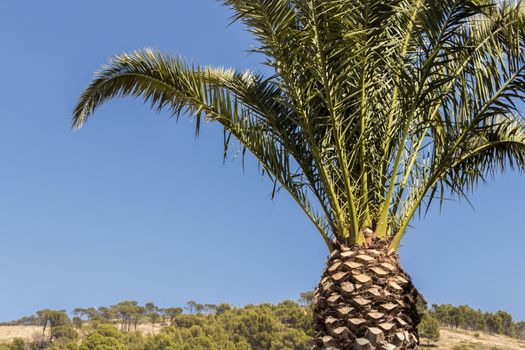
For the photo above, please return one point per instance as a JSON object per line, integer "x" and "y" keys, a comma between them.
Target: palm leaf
{"x": 375, "y": 108}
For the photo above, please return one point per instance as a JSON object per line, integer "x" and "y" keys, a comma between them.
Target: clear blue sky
{"x": 132, "y": 207}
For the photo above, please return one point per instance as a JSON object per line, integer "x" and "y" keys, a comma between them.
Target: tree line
{"x": 465, "y": 317}
{"x": 126, "y": 315}
{"x": 285, "y": 326}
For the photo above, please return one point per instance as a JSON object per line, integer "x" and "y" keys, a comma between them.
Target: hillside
{"x": 451, "y": 339}
{"x": 458, "y": 339}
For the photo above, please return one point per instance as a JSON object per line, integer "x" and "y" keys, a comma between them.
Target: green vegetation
{"x": 468, "y": 318}
{"x": 285, "y": 326}
{"x": 429, "y": 328}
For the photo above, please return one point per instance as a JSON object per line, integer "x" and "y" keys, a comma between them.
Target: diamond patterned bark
{"x": 365, "y": 301}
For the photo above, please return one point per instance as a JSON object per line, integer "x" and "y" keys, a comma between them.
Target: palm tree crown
{"x": 376, "y": 107}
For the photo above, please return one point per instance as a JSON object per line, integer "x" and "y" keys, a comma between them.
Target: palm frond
{"x": 242, "y": 103}
{"x": 375, "y": 108}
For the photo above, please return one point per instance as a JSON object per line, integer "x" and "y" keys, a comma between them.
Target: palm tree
{"x": 375, "y": 109}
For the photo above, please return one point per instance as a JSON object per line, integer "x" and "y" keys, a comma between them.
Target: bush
{"x": 97, "y": 341}
{"x": 19, "y": 344}
{"x": 429, "y": 328}
{"x": 64, "y": 334}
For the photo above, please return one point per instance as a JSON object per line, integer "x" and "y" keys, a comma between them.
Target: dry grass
{"x": 32, "y": 333}
{"x": 458, "y": 339}
{"x": 451, "y": 339}
{"x": 29, "y": 333}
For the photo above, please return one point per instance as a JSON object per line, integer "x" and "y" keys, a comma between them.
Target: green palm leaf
{"x": 375, "y": 107}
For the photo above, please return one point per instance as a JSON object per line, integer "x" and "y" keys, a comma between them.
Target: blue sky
{"x": 133, "y": 207}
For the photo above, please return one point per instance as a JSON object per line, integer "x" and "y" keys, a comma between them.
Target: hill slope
{"x": 459, "y": 339}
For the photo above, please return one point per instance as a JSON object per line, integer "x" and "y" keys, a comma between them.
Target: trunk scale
{"x": 365, "y": 301}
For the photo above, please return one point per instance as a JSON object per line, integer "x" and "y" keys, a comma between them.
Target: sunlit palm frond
{"x": 246, "y": 106}
{"x": 375, "y": 108}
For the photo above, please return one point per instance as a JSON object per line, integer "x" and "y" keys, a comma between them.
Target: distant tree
{"x": 493, "y": 323}
{"x": 199, "y": 308}
{"x": 257, "y": 324}
{"x": 292, "y": 315}
{"x": 135, "y": 341}
{"x": 305, "y": 298}
{"x": 506, "y": 323}
{"x": 154, "y": 318}
{"x": 457, "y": 318}
{"x": 478, "y": 322}
{"x": 223, "y": 307}
{"x": 466, "y": 317}
{"x": 52, "y": 318}
{"x": 87, "y": 314}
{"x": 108, "y": 330}
{"x": 43, "y": 317}
{"x": 429, "y": 328}
{"x": 188, "y": 321}
{"x": 24, "y": 321}
{"x": 106, "y": 313}
{"x": 162, "y": 315}
{"x": 172, "y": 312}
{"x": 152, "y": 312}
{"x": 443, "y": 314}
{"x": 150, "y": 307}
{"x": 292, "y": 339}
{"x": 98, "y": 342}
{"x": 63, "y": 335}
{"x": 129, "y": 314}
{"x": 80, "y": 312}
{"x": 210, "y": 308}
{"x": 104, "y": 337}
{"x": 519, "y": 330}
{"x": 77, "y": 322}
{"x": 191, "y": 306}
{"x": 471, "y": 319}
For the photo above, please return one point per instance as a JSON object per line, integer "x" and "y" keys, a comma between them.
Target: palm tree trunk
{"x": 365, "y": 301}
